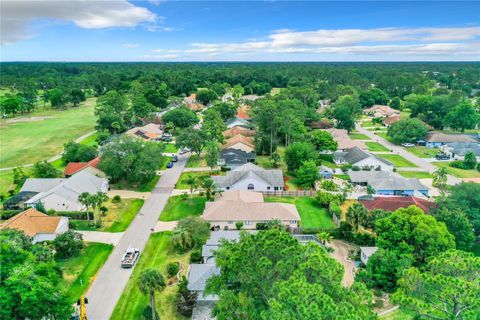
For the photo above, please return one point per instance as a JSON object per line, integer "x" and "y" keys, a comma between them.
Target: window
{"x": 248, "y": 222}
{"x": 276, "y": 188}
{"x": 293, "y": 221}
{"x": 228, "y": 188}
{"x": 268, "y": 188}
{"x": 230, "y": 222}
{"x": 251, "y": 186}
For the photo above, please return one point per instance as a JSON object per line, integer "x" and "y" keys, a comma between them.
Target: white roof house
{"x": 366, "y": 253}
{"x": 251, "y": 177}
{"x": 62, "y": 194}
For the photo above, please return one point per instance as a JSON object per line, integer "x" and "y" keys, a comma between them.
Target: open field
{"x": 459, "y": 173}
{"x": 117, "y": 218}
{"x": 28, "y": 142}
{"x": 397, "y": 160}
{"x": 376, "y": 147}
{"x": 311, "y": 214}
{"x": 78, "y": 272}
{"x": 415, "y": 174}
{"x": 423, "y": 152}
{"x": 157, "y": 254}
{"x": 178, "y": 208}
{"x": 359, "y": 136}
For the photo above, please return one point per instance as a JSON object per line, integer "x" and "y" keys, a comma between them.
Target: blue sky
{"x": 157, "y": 30}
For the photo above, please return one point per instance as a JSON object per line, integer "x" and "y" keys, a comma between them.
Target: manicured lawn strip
{"x": 359, "y": 136}
{"x": 91, "y": 140}
{"x": 311, "y": 214}
{"x": 195, "y": 162}
{"x": 59, "y": 164}
{"x": 327, "y": 160}
{"x": 144, "y": 187}
{"x": 181, "y": 181}
{"x": 157, "y": 254}
{"x": 370, "y": 123}
{"x": 423, "y": 152}
{"x": 384, "y": 136}
{"x": 342, "y": 176}
{"x": 178, "y": 208}
{"x": 459, "y": 173}
{"x": 397, "y": 160}
{"x": 375, "y": 146}
{"x": 124, "y": 213}
{"x": 29, "y": 142}
{"x": 78, "y": 272}
{"x": 6, "y": 181}
{"x": 415, "y": 174}
{"x": 170, "y": 148}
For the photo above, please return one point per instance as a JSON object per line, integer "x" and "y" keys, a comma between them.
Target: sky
{"x": 159, "y": 30}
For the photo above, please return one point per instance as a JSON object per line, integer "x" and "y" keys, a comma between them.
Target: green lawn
{"x": 170, "y": 148}
{"x": 144, "y": 187}
{"x": 397, "y": 160}
{"x": 166, "y": 160}
{"x": 311, "y": 214}
{"x": 375, "y": 146}
{"x": 117, "y": 219}
{"x": 195, "y": 162}
{"x": 398, "y": 314}
{"x": 178, "y": 208}
{"x": 291, "y": 182}
{"x": 181, "y": 181}
{"x": 91, "y": 140}
{"x": 459, "y": 173}
{"x": 384, "y": 136}
{"x": 78, "y": 272}
{"x": 415, "y": 174}
{"x": 157, "y": 254}
{"x": 359, "y": 136}
{"x": 59, "y": 164}
{"x": 6, "y": 181}
{"x": 370, "y": 123}
{"x": 327, "y": 160}
{"x": 29, "y": 142}
{"x": 423, "y": 152}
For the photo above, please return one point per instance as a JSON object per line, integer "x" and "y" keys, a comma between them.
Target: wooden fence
{"x": 297, "y": 193}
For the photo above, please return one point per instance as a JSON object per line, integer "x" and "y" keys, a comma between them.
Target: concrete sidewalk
{"x": 102, "y": 237}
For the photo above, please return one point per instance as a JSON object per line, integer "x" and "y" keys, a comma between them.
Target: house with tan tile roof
{"x": 238, "y": 130}
{"x": 381, "y": 111}
{"x": 388, "y": 121}
{"x": 250, "y": 208}
{"x": 37, "y": 225}
{"x": 151, "y": 131}
{"x": 240, "y": 142}
{"x": 344, "y": 141}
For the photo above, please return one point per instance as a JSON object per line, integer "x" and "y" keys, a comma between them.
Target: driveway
{"x": 424, "y": 165}
{"x": 340, "y": 253}
{"x": 112, "y": 279}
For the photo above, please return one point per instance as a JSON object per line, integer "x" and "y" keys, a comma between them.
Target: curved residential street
{"x": 421, "y": 163}
{"x": 112, "y": 278}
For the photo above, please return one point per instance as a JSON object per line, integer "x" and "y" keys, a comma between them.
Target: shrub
{"x": 457, "y": 164}
{"x": 76, "y": 215}
{"x": 334, "y": 209}
{"x": 184, "y": 196}
{"x": 116, "y": 199}
{"x": 103, "y": 210}
{"x": 173, "y": 268}
{"x": 324, "y": 198}
{"x": 51, "y": 212}
{"x": 196, "y": 256}
{"x": 364, "y": 239}
{"x": 346, "y": 167}
{"x": 186, "y": 299}
{"x": 239, "y": 225}
{"x": 7, "y": 214}
{"x": 329, "y": 185}
{"x": 355, "y": 168}
{"x": 68, "y": 244}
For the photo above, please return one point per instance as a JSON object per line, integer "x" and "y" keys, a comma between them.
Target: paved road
{"x": 424, "y": 165}
{"x": 112, "y": 279}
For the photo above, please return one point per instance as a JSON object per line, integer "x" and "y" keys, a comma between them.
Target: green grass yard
{"x": 178, "y": 208}
{"x": 311, "y": 214}
{"x": 384, "y": 136}
{"x": 423, "y": 152}
{"x": 28, "y": 142}
{"x": 195, "y": 162}
{"x": 397, "y": 160}
{"x": 157, "y": 254}
{"x": 170, "y": 148}
{"x": 459, "y": 173}
{"x": 91, "y": 140}
{"x": 181, "y": 181}
{"x": 359, "y": 136}
{"x": 6, "y": 181}
{"x": 144, "y": 187}
{"x": 79, "y": 272}
{"x": 327, "y": 160}
{"x": 415, "y": 174}
{"x": 376, "y": 147}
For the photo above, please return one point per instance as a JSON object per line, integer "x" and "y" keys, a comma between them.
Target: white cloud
{"x": 88, "y": 14}
{"x": 130, "y": 45}
{"x": 383, "y": 42}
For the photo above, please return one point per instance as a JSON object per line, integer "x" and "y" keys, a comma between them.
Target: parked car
{"x": 170, "y": 165}
{"x": 442, "y": 156}
{"x": 408, "y": 145}
{"x": 183, "y": 151}
{"x": 174, "y": 158}
{"x": 130, "y": 257}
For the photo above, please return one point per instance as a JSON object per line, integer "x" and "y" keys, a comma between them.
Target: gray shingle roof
{"x": 462, "y": 148}
{"x": 386, "y": 180}
{"x": 356, "y": 154}
{"x": 272, "y": 177}
{"x": 199, "y": 274}
{"x": 236, "y": 156}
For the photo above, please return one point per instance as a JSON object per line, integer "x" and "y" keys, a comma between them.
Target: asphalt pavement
{"x": 108, "y": 286}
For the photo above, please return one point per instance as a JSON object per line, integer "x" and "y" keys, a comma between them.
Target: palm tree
{"x": 192, "y": 181}
{"x": 440, "y": 178}
{"x": 151, "y": 280}
{"x": 182, "y": 239}
{"x": 356, "y": 215}
{"x": 208, "y": 186}
{"x": 324, "y": 237}
{"x": 85, "y": 199}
